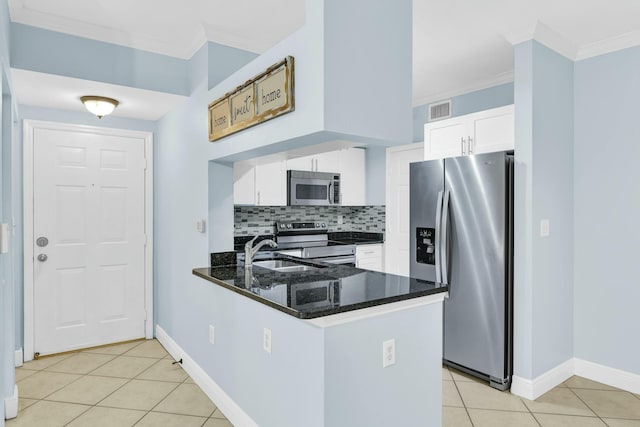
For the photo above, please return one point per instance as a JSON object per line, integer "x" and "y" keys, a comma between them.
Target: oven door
{"x": 309, "y": 191}
{"x": 348, "y": 260}
{"x": 315, "y": 294}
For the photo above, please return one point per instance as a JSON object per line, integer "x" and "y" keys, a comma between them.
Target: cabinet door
{"x": 327, "y": 162}
{"x": 493, "y": 130}
{"x": 444, "y": 138}
{"x": 369, "y": 257}
{"x": 306, "y": 163}
{"x": 244, "y": 183}
{"x": 352, "y": 177}
{"x": 271, "y": 184}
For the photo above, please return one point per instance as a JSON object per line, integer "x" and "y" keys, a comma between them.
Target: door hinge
{"x": 145, "y": 163}
{"x": 145, "y": 240}
{"x": 145, "y": 315}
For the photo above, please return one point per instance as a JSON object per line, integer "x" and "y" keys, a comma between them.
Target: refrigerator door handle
{"x": 444, "y": 240}
{"x": 437, "y": 239}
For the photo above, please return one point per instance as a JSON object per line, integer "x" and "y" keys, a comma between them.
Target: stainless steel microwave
{"x": 312, "y": 188}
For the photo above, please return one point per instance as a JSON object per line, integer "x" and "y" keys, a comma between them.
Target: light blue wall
{"x": 375, "y": 175}
{"x": 543, "y": 285}
{"x": 359, "y": 392}
{"x": 7, "y": 281}
{"x": 193, "y": 181}
{"x": 221, "y": 59}
{"x": 607, "y": 208}
{"x": 472, "y": 102}
{"x": 360, "y": 56}
{"x": 46, "y": 51}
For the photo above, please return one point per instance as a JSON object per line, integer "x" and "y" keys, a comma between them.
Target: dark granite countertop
{"x": 348, "y": 237}
{"x": 329, "y": 289}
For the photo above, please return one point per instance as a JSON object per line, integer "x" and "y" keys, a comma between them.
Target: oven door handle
{"x": 349, "y": 259}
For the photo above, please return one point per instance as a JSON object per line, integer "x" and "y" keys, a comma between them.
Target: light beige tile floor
{"x": 132, "y": 384}
{"x": 136, "y": 384}
{"x": 577, "y": 402}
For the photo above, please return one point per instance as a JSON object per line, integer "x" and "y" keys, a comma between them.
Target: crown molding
{"x": 23, "y": 15}
{"x": 547, "y": 36}
{"x": 609, "y": 45}
{"x": 500, "y": 79}
{"x": 555, "y": 41}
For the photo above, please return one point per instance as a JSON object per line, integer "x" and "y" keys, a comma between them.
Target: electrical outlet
{"x": 340, "y": 219}
{"x": 212, "y": 334}
{"x": 544, "y": 227}
{"x": 388, "y": 353}
{"x": 266, "y": 340}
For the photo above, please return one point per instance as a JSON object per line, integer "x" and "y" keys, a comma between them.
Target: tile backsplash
{"x": 252, "y": 220}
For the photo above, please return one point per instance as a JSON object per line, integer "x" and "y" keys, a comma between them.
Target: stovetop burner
{"x": 313, "y": 237}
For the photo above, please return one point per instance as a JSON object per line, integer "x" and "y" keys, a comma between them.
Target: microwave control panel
{"x": 425, "y": 245}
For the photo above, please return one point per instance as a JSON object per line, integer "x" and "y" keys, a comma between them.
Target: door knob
{"x": 42, "y": 242}
{"x": 42, "y": 257}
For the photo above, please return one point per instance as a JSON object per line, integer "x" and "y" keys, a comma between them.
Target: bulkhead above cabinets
{"x": 263, "y": 181}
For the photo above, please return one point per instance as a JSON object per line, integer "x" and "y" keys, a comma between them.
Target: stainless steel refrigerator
{"x": 461, "y": 220}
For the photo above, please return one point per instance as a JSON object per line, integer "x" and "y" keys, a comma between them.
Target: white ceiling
{"x": 59, "y": 92}
{"x": 458, "y": 45}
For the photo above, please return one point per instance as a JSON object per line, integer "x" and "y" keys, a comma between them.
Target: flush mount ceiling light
{"x": 99, "y": 105}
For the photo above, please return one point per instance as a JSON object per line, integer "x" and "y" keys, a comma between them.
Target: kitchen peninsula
{"x": 317, "y": 344}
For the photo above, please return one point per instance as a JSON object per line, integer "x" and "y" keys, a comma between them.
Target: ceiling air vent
{"x": 439, "y": 111}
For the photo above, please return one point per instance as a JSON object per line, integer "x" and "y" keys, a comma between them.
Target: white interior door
{"x": 89, "y": 203}
{"x": 397, "y": 215}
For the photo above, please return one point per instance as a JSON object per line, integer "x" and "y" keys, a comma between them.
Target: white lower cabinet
{"x": 370, "y": 257}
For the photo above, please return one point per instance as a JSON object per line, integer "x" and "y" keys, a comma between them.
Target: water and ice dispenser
{"x": 425, "y": 245}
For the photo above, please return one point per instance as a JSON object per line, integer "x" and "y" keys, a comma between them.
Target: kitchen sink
{"x": 285, "y": 265}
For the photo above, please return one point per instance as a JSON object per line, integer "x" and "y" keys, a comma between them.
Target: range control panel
{"x": 426, "y": 245}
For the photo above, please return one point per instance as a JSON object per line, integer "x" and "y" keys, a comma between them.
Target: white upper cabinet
{"x": 352, "y": 177}
{"x": 271, "y": 184}
{"x": 482, "y": 132}
{"x": 244, "y": 183}
{"x": 264, "y": 183}
{"x": 323, "y": 162}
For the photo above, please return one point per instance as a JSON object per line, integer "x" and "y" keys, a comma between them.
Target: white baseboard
{"x": 231, "y": 410}
{"x": 11, "y": 405}
{"x": 18, "y": 358}
{"x": 609, "y": 376}
{"x": 532, "y": 389}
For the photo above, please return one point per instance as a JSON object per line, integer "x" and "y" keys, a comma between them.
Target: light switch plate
{"x": 266, "y": 340}
{"x": 544, "y": 227}
{"x": 212, "y": 334}
{"x": 4, "y": 238}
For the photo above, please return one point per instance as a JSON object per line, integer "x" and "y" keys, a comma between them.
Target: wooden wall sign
{"x": 267, "y": 95}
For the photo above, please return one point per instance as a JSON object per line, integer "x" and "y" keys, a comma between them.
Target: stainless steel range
{"x": 311, "y": 239}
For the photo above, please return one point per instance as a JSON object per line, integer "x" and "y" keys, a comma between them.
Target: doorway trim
{"x": 28, "y": 238}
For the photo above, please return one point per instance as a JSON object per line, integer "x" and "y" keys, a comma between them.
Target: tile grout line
{"x": 464, "y": 404}
{"x": 529, "y": 409}
{"x": 88, "y": 374}
{"x": 587, "y": 405}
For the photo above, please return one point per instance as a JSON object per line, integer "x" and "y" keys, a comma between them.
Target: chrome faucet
{"x": 250, "y": 250}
